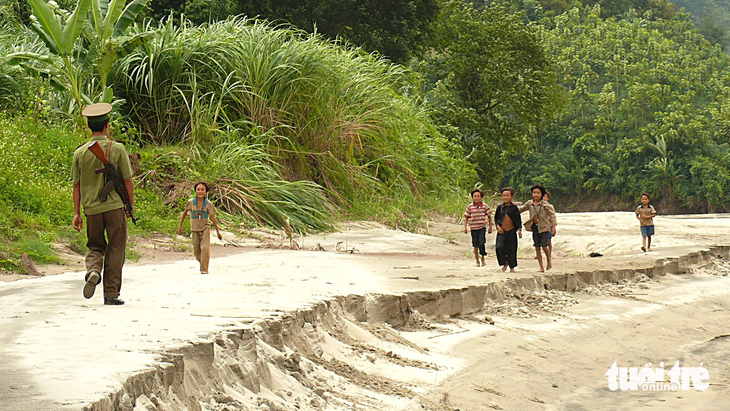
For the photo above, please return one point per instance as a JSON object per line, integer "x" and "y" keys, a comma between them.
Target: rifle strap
{"x": 109, "y": 149}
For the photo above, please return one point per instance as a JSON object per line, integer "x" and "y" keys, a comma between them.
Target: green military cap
{"x": 97, "y": 113}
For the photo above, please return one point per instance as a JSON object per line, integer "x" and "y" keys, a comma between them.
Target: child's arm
{"x": 489, "y": 217}
{"x": 215, "y": 224}
{"x": 466, "y": 221}
{"x": 182, "y": 220}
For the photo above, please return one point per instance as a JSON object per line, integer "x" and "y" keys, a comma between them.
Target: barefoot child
{"x": 542, "y": 217}
{"x": 201, "y": 210}
{"x": 645, "y": 213}
{"x": 476, "y": 215}
{"x": 509, "y": 222}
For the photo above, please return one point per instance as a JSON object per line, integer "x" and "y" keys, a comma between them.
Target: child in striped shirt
{"x": 476, "y": 216}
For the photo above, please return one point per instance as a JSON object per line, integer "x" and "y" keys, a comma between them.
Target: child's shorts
{"x": 540, "y": 239}
{"x": 479, "y": 237}
{"x": 647, "y": 230}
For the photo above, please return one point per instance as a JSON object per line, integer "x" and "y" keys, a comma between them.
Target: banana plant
{"x": 106, "y": 34}
{"x": 60, "y": 31}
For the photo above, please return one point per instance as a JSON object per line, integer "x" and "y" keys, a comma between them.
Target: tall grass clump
{"x": 247, "y": 184}
{"x": 313, "y": 110}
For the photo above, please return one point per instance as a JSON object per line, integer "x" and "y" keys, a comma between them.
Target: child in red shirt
{"x": 476, "y": 216}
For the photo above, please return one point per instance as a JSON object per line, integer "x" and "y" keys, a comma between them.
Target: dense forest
{"x": 319, "y": 110}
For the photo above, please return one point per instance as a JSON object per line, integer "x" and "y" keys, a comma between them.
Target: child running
{"x": 542, "y": 218}
{"x": 508, "y": 220}
{"x": 645, "y": 213}
{"x": 202, "y": 211}
{"x": 476, "y": 215}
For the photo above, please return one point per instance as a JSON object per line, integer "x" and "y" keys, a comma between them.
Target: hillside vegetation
{"x": 388, "y": 119}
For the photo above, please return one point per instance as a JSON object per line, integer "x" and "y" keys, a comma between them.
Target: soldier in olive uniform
{"x": 106, "y": 253}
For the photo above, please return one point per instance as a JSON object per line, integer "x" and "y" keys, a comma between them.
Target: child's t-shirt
{"x": 200, "y": 213}
{"x": 644, "y": 213}
{"x": 477, "y": 215}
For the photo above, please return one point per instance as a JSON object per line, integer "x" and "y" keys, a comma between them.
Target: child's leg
{"x": 643, "y": 243}
{"x": 196, "y": 244}
{"x": 204, "y": 251}
{"x": 483, "y": 244}
{"x": 539, "y": 259}
{"x": 548, "y": 257}
{"x": 476, "y": 255}
{"x": 500, "y": 247}
{"x": 512, "y": 251}
{"x": 648, "y": 243}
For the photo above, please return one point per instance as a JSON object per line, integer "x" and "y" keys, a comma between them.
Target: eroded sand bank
{"x": 269, "y": 331}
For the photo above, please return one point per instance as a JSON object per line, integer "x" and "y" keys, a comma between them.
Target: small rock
{"x": 142, "y": 403}
{"x": 125, "y": 404}
{"x": 316, "y": 402}
{"x": 319, "y": 391}
{"x": 295, "y": 357}
{"x": 29, "y": 266}
{"x": 489, "y": 319}
{"x": 370, "y": 357}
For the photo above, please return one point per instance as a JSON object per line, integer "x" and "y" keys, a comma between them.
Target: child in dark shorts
{"x": 476, "y": 216}
{"x": 542, "y": 223}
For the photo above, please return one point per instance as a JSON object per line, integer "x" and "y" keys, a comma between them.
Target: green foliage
{"x": 491, "y": 80}
{"x": 108, "y": 24}
{"x": 38, "y": 251}
{"x": 245, "y": 182}
{"x": 398, "y": 29}
{"x": 59, "y": 30}
{"x": 711, "y": 18}
{"x": 70, "y": 64}
{"x": 319, "y": 112}
{"x": 36, "y": 210}
{"x": 645, "y": 112}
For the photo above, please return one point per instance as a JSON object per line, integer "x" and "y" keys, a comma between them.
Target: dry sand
{"x": 546, "y": 350}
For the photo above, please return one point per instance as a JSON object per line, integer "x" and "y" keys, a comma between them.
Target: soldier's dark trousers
{"x": 506, "y": 248}
{"x": 106, "y": 252}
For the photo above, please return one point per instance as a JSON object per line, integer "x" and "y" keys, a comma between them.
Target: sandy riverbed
{"x": 544, "y": 350}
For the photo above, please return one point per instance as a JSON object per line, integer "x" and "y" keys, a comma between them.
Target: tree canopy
{"x": 646, "y": 110}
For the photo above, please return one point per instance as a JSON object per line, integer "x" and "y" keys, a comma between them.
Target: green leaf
{"x": 128, "y": 46}
{"x": 108, "y": 95}
{"x": 45, "y": 37}
{"x": 17, "y": 58}
{"x": 115, "y": 10}
{"x": 104, "y": 6}
{"x": 74, "y": 25}
{"x": 129, "y": 15}
{"x": 46, "y": 25}
{"x": 97, "y": 18}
